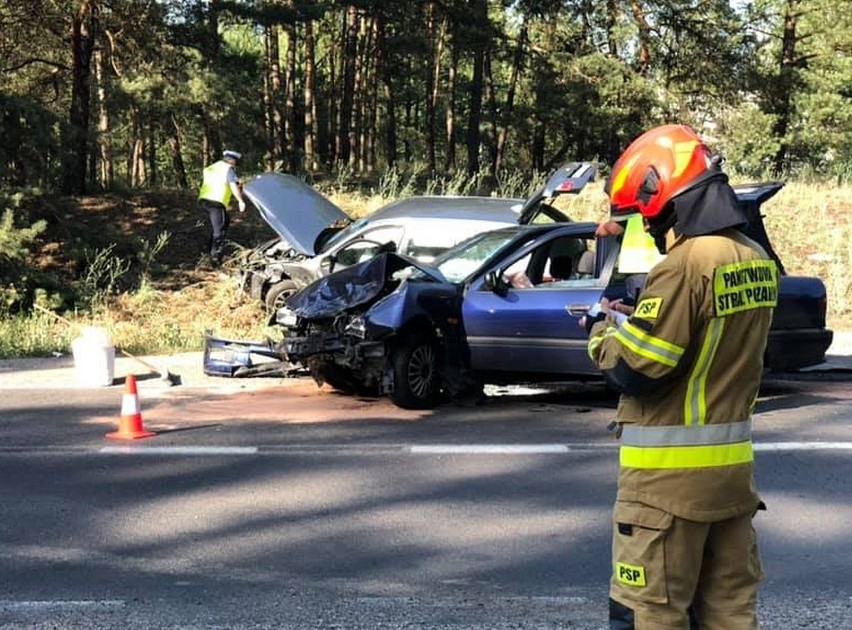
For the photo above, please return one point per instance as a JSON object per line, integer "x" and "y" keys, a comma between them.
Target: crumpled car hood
{"x": 352, "y": 287}
{"x": 297, "y": 212}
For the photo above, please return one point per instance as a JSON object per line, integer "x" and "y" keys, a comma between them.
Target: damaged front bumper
{"x": 239, "y": 358}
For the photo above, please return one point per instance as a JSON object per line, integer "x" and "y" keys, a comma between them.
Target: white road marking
{"x": 802, "y": 446}
{"x": 488, "y": 449}
{"x": 381, "y": 449}
{"x": 178, "y": 450}
{"x": 37, "y": 604}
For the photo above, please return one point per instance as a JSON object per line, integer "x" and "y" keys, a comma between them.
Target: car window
{"x": 343, "y": 235}
{"x": 568, "y": 261}
{"x": 461, "y": 261}
{"x": 425, "y": 244}
{"x": 367, "y": 245}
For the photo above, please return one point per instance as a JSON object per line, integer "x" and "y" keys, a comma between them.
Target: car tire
{"x": 278, "y": 293}
{"x": 416, "y": 376}
{"x": 342, "y": 380}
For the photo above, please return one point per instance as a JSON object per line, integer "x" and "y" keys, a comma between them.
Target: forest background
{"x": 111, "y": 108}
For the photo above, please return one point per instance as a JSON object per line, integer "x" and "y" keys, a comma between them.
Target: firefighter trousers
{"x": 670, "y": 573}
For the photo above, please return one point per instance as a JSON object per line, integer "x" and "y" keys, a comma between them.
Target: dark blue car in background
{"x": 420, "y": 333}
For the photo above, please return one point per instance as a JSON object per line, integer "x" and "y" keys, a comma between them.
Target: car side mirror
{"x": 494, "y": 282}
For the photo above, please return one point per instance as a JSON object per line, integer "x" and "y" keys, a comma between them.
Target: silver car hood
{"x": 297, "y": 212}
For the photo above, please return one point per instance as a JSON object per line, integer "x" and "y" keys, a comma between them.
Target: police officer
{"x": 688, "y": 363}
{"x": 219, "y": 183}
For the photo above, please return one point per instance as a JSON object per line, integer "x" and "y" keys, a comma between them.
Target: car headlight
{"x": 286, "y": 317}
{"x": 356, "y": 327}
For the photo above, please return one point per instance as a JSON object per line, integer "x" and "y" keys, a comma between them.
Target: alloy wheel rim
{"x": 421, "y": 370}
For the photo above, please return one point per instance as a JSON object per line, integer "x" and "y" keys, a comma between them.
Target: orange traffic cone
{"x": 130, "y": 427}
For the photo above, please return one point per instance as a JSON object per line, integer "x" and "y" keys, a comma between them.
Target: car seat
{"x": 585, "y": 267}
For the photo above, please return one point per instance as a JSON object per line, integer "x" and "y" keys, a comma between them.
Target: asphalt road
{"x": 285, "y": 506}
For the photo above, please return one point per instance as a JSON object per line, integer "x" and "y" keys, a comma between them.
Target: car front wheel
{"x": 278, "y": 293}
{"x": 416, "y": 378}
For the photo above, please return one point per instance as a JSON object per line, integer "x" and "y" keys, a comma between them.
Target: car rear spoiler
{"x": 569, "y": 178}
{"x": 236, "y": 358}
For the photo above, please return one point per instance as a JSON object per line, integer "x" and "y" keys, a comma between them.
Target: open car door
{"x": 569, "y": 179}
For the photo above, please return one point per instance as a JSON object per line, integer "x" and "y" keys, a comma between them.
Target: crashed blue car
{"x": 421, "y": 333}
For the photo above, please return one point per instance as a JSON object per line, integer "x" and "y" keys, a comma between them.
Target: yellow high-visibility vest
{"x": 214, "y": 186}
{"x": 638, "y": 251}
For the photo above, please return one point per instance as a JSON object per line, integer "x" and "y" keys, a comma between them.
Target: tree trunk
{"x": 83, "y": 29}
{"x": 136, "y": 161}
{"x": 644, "y": 36}
{"x": 491, "y": 100}
{"x": 175, "y": 151}
{"x": 272, "y": 98}
{"x": 611, "y": 21}
{"x": 450, "y": 157}
{"x": 429, "y": 63}
{"x": 310, "y": 86}
{"x": 503, "y": 135}
{"x": 212, "y": 142}
{"x": 479, "y": 16}
{"x": 153, "y": 176}
{"x": 291, "y": 121}
{"x": 362, "y": 94}
{"x": 107, "y": 174}
{"x": 784, "y": 86}
{"x": 475, "y": 113}
{"x": 344, "y": 127}
{"x": 327, "y": 128}
{"x": 390, "y": 96}
{"x": 368, "y": 122}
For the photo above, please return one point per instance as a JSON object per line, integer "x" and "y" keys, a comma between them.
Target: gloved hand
{"x": 242, "y": 205}
{"x": 590, "y": 320}
{"x": 594, "y": 315}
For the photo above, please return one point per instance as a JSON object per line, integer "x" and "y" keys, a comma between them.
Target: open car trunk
{"x": 751, "y": 197}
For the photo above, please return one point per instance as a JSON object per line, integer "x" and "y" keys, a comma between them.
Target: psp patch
{"x": 630, "y": 574}
{"x": 649, "y": 308}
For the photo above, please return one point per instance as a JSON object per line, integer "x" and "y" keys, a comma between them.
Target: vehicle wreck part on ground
{"x": 236, "y": 358}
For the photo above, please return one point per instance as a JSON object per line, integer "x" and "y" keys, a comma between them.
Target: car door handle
{"x": 577, "y": 310}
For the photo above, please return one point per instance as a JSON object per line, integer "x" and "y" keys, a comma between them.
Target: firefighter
{"x": 219, "y": 183}
{"x": 687, "y": 362}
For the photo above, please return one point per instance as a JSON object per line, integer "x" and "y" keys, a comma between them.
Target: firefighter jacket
{"x": 688, "y": 363}
{"x": 216, "y": 183}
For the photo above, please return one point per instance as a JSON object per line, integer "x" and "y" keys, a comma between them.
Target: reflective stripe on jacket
{"x": 215, "y": 186}
{"x": 688, "y": 363}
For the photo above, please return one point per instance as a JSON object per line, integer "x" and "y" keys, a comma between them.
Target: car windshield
{"x": 468, "y": 256}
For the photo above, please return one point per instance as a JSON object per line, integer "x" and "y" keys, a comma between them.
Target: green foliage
{"x": 103, "y": 272}
{"x": 182, "y": 80}
{"x": 148, "y": 254}
{"x": 394, "y": 184}
{"x": 32, "y": 335}
{"x": 17, "y": 275}
{"x": 746, "y": 141}
{"x": 29, "y": 147}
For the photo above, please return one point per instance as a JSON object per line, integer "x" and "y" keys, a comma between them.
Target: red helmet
{"x": 657, "y": 166}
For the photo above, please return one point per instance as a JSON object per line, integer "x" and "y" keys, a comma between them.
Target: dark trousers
{"x": 219, "y": 222}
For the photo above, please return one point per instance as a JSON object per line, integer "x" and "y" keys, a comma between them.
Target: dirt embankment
{"x": 77, "y": 225}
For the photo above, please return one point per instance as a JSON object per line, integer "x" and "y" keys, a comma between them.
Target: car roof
{"x": 497, "y": 209}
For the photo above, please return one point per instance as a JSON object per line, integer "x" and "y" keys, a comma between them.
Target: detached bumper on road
{"x": 237, "y": 358}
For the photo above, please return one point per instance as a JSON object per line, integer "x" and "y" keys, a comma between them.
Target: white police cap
{"x": 231, "y": 154}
